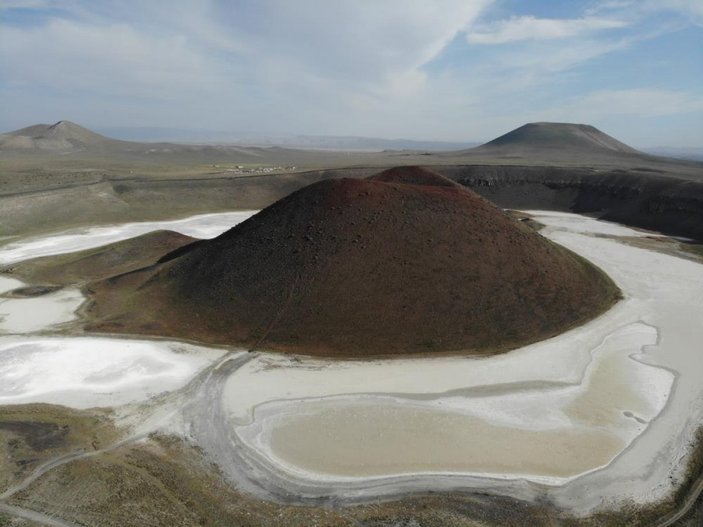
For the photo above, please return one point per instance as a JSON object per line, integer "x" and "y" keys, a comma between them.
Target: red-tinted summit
{"x": 403, "y": 262}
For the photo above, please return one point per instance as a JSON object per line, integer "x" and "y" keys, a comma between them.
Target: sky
{"x": 452, "y": 70}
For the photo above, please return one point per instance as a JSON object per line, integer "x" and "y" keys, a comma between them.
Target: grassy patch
{"x": 168, "y": 482}
{"x": 693, "y": 248}
{"x": 164, "y": 482}
{"x": 34, "y": 433}
{"x": 100, "y": 262}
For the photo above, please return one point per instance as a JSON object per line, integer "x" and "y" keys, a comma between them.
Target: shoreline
{"x": 636, "y": 358}
{"x": 530, "y": 491}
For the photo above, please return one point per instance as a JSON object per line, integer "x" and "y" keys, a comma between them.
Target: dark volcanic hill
{"x": 403, "y": 262}
{"x": 555, "y": 144}
{"x": 579, "y": 137}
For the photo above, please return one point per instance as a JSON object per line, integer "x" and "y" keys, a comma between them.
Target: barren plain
{"x": 599, "y": 425}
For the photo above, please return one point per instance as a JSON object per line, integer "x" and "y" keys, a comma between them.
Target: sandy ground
{"x": 669, "y": 290}
{"x": 585, "y": 225}
{"x": 366, "y": 439}
{"x": 547, "y": 432}
{"x": 604, "y": 411}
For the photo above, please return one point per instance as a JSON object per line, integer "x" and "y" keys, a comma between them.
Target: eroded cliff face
{"x": 638, "y": 197}
{"x": 654, "y": 193}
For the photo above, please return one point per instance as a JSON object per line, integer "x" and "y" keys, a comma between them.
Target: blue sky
{"x": 459, "y": 70}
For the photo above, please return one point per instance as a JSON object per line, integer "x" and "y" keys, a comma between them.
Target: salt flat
{"x": 30, "y": 315}
{"x": 604, "y": 411}
{"x": 8, "y": 284}
{"x": 586, "y": 225}
{"x": 544, "y": 431}
{"x": 200, "y": 226}
{"x": 600, "y": 396}
{"x": 83, "y": 372}
{"x": 33, "y": 314}
{"x": 86, "y": 372}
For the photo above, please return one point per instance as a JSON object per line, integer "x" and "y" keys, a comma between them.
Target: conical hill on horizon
{"x": 539, "y": 136}
{"x": 60, "y": 136}
{"x": 548, "y": 138}
{"x": 405, "y": 261}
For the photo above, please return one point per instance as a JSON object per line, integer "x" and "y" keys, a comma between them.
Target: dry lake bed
{"x": 605, "y": 412}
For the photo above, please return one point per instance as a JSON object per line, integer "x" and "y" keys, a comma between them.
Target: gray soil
{"x": 65, "y": 177}
{"x": 543, "y": 165}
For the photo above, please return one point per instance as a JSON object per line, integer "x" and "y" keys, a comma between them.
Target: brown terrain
{"x": 405, "y": 261}
{"x": 101, "y": 262}
{"x": 59, "y": 176}
{"x": 54, "y": 177}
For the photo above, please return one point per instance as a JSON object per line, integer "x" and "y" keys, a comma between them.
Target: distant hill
{"x": 65, "y": 137}
{"x": 60, "y": 136}
{"x": 299, "y": 141}
{"x": 352, "y": 143}
{"x": 405, "y": 261}
{"x": 557, "y": 136}
{"x": 68, "y": 137}
{"x": 691, "y": 153}
{"x": 558, "y": 144}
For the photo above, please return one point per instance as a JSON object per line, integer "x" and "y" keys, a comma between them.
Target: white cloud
{"x": 307, "y": 65}
{"x": 378, "y": 47}
{"x": 544, "y": 60}
{"x": 530, "y": 28}
{"x": 23, "y": 4}
{"x": 393, "y": 68}
{"x": 691, "y": 9}
{"x": 358, "y": 41}
{"x": 112, "y": 59}
{"x": 641, "y": 102}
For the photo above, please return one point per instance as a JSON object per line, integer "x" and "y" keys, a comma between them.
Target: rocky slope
{"x": 403, "y": 262}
